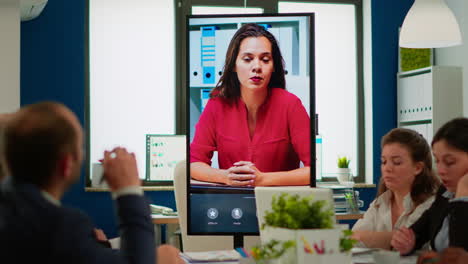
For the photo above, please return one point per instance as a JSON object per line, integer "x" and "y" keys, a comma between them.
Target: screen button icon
{"x": 212, "y": 213}
{"x": 236, "y": 213}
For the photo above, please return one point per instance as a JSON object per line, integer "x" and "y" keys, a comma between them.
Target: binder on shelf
{"x": 208, "y": 53}
{"x": 195, "y": 71}
{"x": 205, "y": 96}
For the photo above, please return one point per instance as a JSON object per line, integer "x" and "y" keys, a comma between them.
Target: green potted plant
{"x": 344, "y": 172}
{"x": 343, "y": 162}
{"x": 311, "y": 224}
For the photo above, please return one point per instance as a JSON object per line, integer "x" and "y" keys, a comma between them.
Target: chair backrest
{"x": 193, "y": 243}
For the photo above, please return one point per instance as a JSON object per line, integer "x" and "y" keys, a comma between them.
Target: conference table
{"x": 172, "y": 224}
{"x": 364, "y": 257}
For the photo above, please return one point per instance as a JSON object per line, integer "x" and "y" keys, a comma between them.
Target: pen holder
{"x": 352, "y": 201}
{"x": 345, "y": 177}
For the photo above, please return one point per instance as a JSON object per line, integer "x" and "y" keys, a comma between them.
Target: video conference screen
{"x": 250, "y": 97}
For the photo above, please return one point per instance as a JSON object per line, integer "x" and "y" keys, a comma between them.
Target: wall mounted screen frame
{"x": 195, "y": 188}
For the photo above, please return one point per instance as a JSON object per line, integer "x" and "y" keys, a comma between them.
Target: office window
{"x": 336, "y": 80}
{"x": 131, "y": 90}
{"x": 206, "y": 10}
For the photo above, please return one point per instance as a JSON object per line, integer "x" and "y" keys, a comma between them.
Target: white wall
{"x": 458, "y": 56}
{"x": 9, "y": 55}
{"x": 132, "y": 83}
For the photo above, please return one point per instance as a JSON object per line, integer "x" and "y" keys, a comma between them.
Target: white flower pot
{"x": 344, "y": 176}
{"x": 312, "y": 245}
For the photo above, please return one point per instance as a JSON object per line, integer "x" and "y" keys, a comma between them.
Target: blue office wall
{"x": 53, "y": 63}
{"x": 387, "y": 17}
{"x": 52, "y": 68}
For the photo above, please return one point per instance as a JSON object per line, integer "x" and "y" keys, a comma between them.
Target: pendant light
{"x": 430, "y": 24}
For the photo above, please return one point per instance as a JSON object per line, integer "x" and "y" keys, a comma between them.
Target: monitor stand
{"x": 238, "y": 240}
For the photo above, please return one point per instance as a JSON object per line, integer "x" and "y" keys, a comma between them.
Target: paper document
{"x": 211, "y": 256}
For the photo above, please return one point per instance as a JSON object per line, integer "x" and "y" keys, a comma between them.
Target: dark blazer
{"x": 427, "y": 227}
{"x": 33, "y": 230}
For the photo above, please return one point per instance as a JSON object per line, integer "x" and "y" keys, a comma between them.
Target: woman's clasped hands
{"x": 242, "y": 173}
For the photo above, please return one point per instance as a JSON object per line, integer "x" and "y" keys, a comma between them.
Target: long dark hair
{"x": 455, "y": 133}
{"x": 228, "y": 86}
{"x": 425, "y": 183}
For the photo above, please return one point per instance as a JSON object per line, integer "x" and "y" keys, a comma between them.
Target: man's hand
{"x": 240, "y": 174}
{"x": 168, "y": 255}
{"x": 120, "y": 169}
{"x": 403, "y": 240}
{"x": 100, "y": 236}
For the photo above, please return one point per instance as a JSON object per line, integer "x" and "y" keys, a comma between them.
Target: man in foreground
{"x": 43, "y": 154}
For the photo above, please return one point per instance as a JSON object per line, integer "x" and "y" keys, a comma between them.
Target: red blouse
{"x": 281, "y": 138}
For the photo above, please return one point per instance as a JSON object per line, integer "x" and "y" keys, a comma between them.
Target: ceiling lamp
{"x": 430, "y": 24}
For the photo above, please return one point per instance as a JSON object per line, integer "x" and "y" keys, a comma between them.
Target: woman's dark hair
{"x": 455, "y": 133}
{"x": 228, "y": 86}
{"x": 425, "y": 183}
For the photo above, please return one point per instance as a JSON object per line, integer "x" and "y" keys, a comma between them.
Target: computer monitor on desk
{"x": 163, "y": 152}
{"x": 218, "y": 209}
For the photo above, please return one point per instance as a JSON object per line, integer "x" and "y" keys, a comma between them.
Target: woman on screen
{"x": 406, "y": 188}
{"x": 260, "y": 131}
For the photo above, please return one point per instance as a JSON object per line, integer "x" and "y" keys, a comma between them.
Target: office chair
{"x": 199, "y": 243}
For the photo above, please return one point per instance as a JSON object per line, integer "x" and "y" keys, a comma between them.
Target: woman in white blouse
{"x": 406, "y": 189}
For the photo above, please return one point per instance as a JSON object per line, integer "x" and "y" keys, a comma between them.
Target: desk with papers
{"x": 360, "y": 256}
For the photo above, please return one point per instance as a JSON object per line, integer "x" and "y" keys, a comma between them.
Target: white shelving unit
{"x": 429, "y": 97}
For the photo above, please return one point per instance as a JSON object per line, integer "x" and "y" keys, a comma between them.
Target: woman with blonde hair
{"x": 406, "y": 189}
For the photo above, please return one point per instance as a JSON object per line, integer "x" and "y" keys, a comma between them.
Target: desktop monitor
{"x": 163, "y": 152}
{"x": 229, "y": 60}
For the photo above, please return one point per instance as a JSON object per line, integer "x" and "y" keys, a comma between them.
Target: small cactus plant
{"x": 343, "y": 162}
